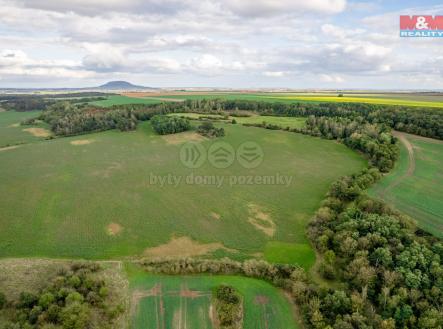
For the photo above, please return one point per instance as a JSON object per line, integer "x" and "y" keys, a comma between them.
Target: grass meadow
{"x": 91, "y": 196}
{"x": 160, "y": 301}
{"x": 291, "y": 122}
{"x": 12, "y": 133}
{"x": 414, "y": 186}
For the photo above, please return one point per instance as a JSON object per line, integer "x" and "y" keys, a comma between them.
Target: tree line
{"x": 83, "y": 117}
{"x": 426, "y": 122}
{"x": 24, "y": 103}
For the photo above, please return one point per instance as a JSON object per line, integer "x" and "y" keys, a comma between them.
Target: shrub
{"x": 207, "y": 129}
{"x": 228, "y": 305}
{"x": 165, "y": 125}
{"x": 2, "y": 300}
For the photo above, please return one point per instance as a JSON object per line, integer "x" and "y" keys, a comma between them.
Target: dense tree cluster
{"x": 23, "y": 103}
{"x": 374, "y": 140}
{"x": 422, "y": 121}
{"x": 426, "y": 122}
{"x": 228, "y": 306}
{"x": 67, "y": 119}
{"x": 75, "y": 299}
{"x": 208, "y": 129}
{"x": 165, "y": 125}
{"x": 392, "y": 272}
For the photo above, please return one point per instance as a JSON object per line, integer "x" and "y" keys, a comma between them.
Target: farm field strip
{"x": 185, "y": 302}
{"x": 368, "y": 100}
{"x": 413, "y": 186}
{"x": 419, "y": 100}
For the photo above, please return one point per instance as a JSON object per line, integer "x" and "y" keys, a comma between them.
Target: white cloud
{"x": 274, "y": 74}
{"x": 288, "y": 7}
{"x": 331, "y": 78}
{"x": 211, "y": 40}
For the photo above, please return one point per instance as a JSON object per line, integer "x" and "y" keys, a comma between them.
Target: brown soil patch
{"x": 138, "y": 295}
{"x": 187, "y": 293}
{"x": 261, "y": 220}
{"x": 114, "y": 229}
{"x": 82, "y": 142}
{"x": 183, "y": 247}
{"x": 7, "y": 148}
{"x": 107, "y": 172}
{"x": 38, "y": 132}
{"x": 215, "y": 215}
{"x": 257, "y": 255}
{"x": 175, "y": 139}
{"x": 261, "y": 299}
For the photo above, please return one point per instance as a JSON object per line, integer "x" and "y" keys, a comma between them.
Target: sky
{"x": 300, "y": 44}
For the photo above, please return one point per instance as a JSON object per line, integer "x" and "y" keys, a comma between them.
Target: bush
{"x": 207, "y": 129}
{"x": 228, "y": 304}
{"x": 75, "y": 299}
{"x": 165, "y": 125}
{"x": 2, "y": 300}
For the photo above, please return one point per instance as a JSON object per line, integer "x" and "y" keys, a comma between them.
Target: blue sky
{"x": 217, "y": 43}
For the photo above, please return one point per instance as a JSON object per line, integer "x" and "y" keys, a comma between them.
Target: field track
{"x": 413, "y": 186}
{"x": 411, "y": 164}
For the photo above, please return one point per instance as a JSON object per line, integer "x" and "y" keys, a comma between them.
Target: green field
{"x": 291, "y": 122}
{"x": 414, "y": 186}
{"x": 12, "y": 133}
{"x": 91, "y": 196}
{"x": 367, "y": 100}
{"x": 123, "y": 100}
{"x": 403, "y": 99}
{"x": 185, "y": 302}
{"x": 382, "y": 99}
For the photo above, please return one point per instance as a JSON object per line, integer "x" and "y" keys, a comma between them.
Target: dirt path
{"x": 411, "y": 163}
{"x": 410, "y": 149}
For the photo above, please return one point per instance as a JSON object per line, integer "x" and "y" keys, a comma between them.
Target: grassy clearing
{"x": 12, "y": 133}
{"x": 59, "y": 199}
{"x": 290, "y": 253}
{"x": 123, "y": 100}
{"x": 291, "y": 122}
{"x": 414, "y": 186}
{"x": 160, "y": 301}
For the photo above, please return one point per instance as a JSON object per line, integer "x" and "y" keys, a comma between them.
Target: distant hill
{"x": 121, "y": 85}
